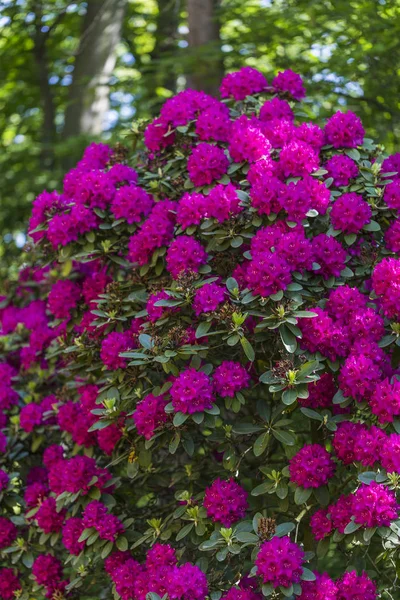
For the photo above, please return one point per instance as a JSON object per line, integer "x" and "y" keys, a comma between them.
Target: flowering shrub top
{"x": 200, "y": 363}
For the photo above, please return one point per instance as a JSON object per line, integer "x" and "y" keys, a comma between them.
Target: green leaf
{"x": 351, "y": 527}
{"x": 308, "y": 575}
{"x": 284, "y": 528}
{"x": 179, "y": 419}
{"x": 322, "y": 495}
{"x": 246, "y": 428}
{"x": 323, "y": 547}
{"x": 248, "y": 349}
{"x": 288, "y": 339}
{"x": 106, "y": 550}
{"x": 312, "y": 414}
{"x": 284, "y": 437}
{"x": 353, "y": 153}
{"x": 372, "y": 226}
{"x": 247, "y": 537}
{"x": 122, "y": 544}
{"x": 184, "y": 531}
{"x": 261, "y": 444}
{"x": 289, "y": 396}
{"x": 263, "y": 488}
{"x": 301, "y": 495}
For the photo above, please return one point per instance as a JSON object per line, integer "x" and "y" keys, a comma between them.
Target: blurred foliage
{"x": 348, "y": 51}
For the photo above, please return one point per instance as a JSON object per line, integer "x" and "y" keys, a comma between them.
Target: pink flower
{"x": 192, "y": 392}
{"x": 230, "y": 377}
{"x": 344, "y": 130}
{"x": 350, "y": 213}
{"x": 279, "y": 562}
{"x": 311, "y": 467}
{"x": 290, "y": 82}
{"x": 150, "y": 414}
{"x": 341, "y": 168}
{"x": 321, "y": 524}
{"x": 185, "y": 254}
{"x": 225, "y": 502}
{"x": 206, "y": 164}
{"x": 208, "y": 298}
{"x": 351, "y": 586}
{"x": 242, "y": 83}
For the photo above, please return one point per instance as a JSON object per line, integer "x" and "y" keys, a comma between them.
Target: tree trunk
{"x": 163, "y": 57}
{"x": 94, "y": 65}
{"x": 48, "y": 135}
{"x": 206, "y": 66}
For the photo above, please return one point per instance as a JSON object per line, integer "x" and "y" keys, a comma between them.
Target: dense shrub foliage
{"x": 200, "y": 391}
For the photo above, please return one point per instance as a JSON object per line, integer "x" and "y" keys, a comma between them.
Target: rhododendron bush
{"x": 200, "y": 390}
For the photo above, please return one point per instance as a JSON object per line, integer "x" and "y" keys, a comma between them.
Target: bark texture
{"x": 206, "y": 66}
{"x": 94, "y": 65}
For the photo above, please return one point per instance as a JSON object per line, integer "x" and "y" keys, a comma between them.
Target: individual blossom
{"x": 191, "y": 209}
{"x": 261, "y": 170}
{"x": 242, "y": 83}
{"x": 31, "y": 416}
{"x": 392, "y": 237}
{"x": 289, "y": 82}
{"x": 185, "y": 106}
{"x": 48, "y": 519}
{"x": 47, "y": 569}
{"x": 358, "y": 377}
{"x": 319, "y": 195}
{"x": 122, "y": 174}
{"x": 391, "y": 164}
{"x": 247, "y": 141}
{"x": 112, "y": 346}
{"x": 35, "y": 494}
{"x": 222, "y": 203}
{"x": 344, "y": 130}
{"x": 156, "y": 231}
{"x": 131, "y": 203}
{"x": 276, "y": 109}
{"x": 94, "y": 513}
{"x": 279, "y": 562}
{"x": 8, "y": 532}
{"x": 185, "y": 254}
{"x": 329, "y": 254}
{"x": 225, "y": 502}
{"x": 240, "y": 594}
{"x": 267, "y": 274}
{"x": 350, "y": 213}
{"x": 109, "y": 437}
{"x": 230, "y": 377}
{"x": 188, "y": 582}
{"x": 279, "y": 132}
{"x": 392, "y": 194}
{"x": 323, "y": 588}
{"x": 320, "y": 392}
{"x": 390, "y": 453}
{"x": 150, "y": 414}
{"x": 4, "y": 479}
{"x": 95, "y": 190}
{"x": 312, "y": 134}
{"x": 125, "y": 576}
{"x": 71, "y": 532}
{"x": 160, "y": 555}
{"x": 266, "y": 195}
{"x": 298, "y": 159}
{"x": 9, "y": 584}
{"x": 109, "y": 528}
{"x": 311, "y": 467}
{"x": 208, "y": 297}
{"x": 351, "y": 586}
{"x": 115, "y": 560}
{"x": 206, "y": 164}
{"x": 386, "y": 285}
{"x": 345, "y": 303}
{"x": 158, "y": 135}
{"x": 192, "y": 392}
{"x": 95, "y": 156}
{"x": 341, "y": 168}
{"x": 63, "y": 298}
{"x": 320, "y": 523}
{"x": 341, "y": 512}
{"x": 374, "y": 505}
{"x": 214, "y": 123}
